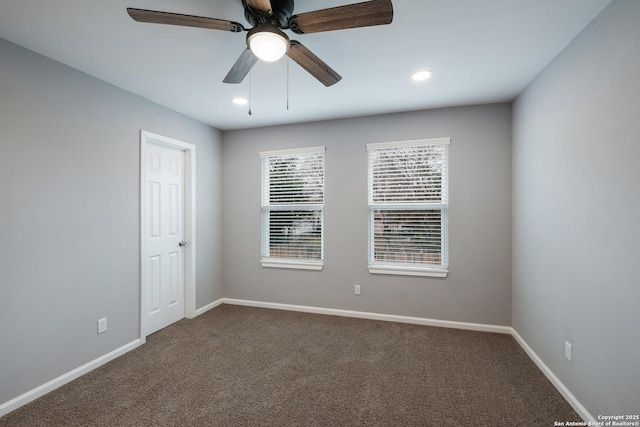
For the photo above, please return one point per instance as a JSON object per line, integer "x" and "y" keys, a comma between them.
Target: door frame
{"x": 147, "y": 138}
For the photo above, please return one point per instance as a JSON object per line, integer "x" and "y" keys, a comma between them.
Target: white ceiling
{"x": 480, "y": 51}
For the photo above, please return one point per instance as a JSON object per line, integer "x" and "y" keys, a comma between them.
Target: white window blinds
{"x": 408, "y": 200}
{"x": 293, "y": 207}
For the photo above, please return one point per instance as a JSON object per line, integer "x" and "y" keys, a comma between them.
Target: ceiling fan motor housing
{"x": 281, "y": 12}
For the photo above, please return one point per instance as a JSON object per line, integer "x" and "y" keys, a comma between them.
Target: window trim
{"x": 405, "y": 270}
{"x": 291, "y": 263}
{"x": 399, "y": 268}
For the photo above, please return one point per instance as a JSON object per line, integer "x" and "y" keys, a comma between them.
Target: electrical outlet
{"x": 567, "y": 350}
{"x": 102, "y": 325}
{"x": 357, "y": 290}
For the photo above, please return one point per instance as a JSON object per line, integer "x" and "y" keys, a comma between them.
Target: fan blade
{"x": 242, "y": 67}
{"x": 366, "y": 14}
{"x": 314, "y": 65}
{"x": 261, "y": 5}
{"x": 155, "y": 17}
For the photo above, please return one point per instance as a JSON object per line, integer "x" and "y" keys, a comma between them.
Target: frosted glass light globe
{"x": 268, "y": 46}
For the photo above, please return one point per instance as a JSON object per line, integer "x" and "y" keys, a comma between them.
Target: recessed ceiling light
{"x": 421, "y": 76}
{"x": 240, "y": 101}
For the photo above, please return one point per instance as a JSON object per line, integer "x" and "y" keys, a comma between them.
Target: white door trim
{"x": 147, "y": 138}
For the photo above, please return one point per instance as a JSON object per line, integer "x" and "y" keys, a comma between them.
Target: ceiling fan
{"x": 267, "y": 41}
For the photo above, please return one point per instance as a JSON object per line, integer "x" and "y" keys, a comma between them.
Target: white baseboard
{"x": 55, "y": 383}
{"x": 208, "y": 307}
{"x": 373, "y": 316}
{"x": 564, "y": 391}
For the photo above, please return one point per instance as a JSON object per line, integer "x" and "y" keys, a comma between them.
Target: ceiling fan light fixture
{"x": 268, "y": 43}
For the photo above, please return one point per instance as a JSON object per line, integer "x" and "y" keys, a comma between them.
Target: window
{"x": 293, "y": 208}
{"x": 408, "y": 199}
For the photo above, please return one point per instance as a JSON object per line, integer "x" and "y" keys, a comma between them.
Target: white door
{"x": 164, "y": 235}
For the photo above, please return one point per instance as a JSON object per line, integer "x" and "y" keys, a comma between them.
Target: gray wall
{"x": 576, "y": 205}
{"x": 69, "y": 215}
{"x": 478, "y": 288}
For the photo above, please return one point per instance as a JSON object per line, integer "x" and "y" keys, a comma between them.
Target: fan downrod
{"x": 281, "y": 11}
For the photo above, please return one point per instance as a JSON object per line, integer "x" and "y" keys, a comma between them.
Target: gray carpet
{"x": 240, "y": 366}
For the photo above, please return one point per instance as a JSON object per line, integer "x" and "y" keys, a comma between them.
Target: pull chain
{"x": 250, "y": 84}
{"x": 288, "y": 59}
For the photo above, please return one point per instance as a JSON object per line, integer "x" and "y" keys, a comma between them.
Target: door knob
{"x": 182, "y": 243}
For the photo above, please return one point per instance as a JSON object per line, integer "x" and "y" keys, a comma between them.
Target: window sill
{"x": 408, "y": 271}
{"x": 291, "y": 263}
